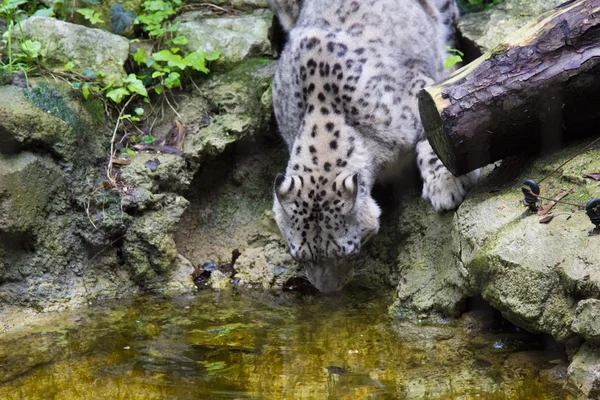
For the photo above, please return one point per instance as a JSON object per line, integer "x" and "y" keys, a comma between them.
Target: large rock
{"x": 23, "y": 124}
{"x": 541, "y": 276}
{"x": 27, "y": 185}
{"x": 534, "y": 273}
{"x": 584, "y": 371}
{"x": 89, "y": 49}
{"x": 489, "y": 28}
{"x": 587, "y": 320}
{"x": 431, "y": 281}
{"x": 237, "y": 37}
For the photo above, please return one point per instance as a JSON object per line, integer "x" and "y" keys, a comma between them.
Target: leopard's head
{"x": 325, "y": 221}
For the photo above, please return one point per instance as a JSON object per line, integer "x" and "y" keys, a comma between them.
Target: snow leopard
{"x": 345, "y": 100}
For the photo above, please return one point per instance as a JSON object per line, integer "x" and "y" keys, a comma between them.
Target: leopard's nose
{"x": 350, "y": 249}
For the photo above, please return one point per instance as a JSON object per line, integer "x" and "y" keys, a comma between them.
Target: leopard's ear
{"x": 348, "y": 188}
{"x": 286, "y": 187}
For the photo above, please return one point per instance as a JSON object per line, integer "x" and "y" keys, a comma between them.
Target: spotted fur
{"x": 344, "y": 96}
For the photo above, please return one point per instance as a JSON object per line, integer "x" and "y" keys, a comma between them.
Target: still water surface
{"x": 230, "y": 346}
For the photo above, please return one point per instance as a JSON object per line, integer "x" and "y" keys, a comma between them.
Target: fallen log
{"x": 540, "y": 86}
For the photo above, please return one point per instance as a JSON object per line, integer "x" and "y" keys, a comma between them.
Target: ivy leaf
{"x": 451, "y": 61}
{"x": 120, "y": 18}
{"x": 136, "y": 85}
{"x": 9, "y": 6}
{"x": 139, "y": 111}
{"x": 117, "y": 94}
{"x": 44, "y": 12}
{"x": 212, "y": 56}
{"x": 32, "y": 48}
{"x": 173, "y": 80}
{"x": 180, "y": 40}
{"x": 85, "y": 90}
{"x": 140, "y": 57}
{"x": 129, "y": 151}
{"x": 90, "y": 73}
{"x": 453, "y": 50}
{"x": 174, "y": 27}
{"x": 196, "y": 60}
{"x": 90, "y": 15}
{"x": 159, "y": 89}
{"x": 173, "y": 60}
{"x": 69, "y": 66}
{"x": 149, "y": 139}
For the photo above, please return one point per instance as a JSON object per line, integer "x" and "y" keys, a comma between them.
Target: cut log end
{"x": 537, "y": 89}
{"x": 434, "y": 126}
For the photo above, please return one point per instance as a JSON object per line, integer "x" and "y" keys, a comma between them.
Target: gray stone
{"x": 534, "y": 273}
{"x": 431, "y": 280}
{"x": 489, "y": 28}
{"x": 587, "y": 320}
{"x": 218, "y": 281}
{"x": 237, "y": 37}
{"x": 88, "y": 48}
{"x": 584, "y": 371}
{"x": 236, "y": 96}
{"x": 148, "y": 245}
{"x": 27, "y": 185}
{"x": 242, "y": 4}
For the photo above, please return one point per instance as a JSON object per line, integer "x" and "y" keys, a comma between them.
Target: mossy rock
{"x": 90, "y": 50}
{"x": 237, "y": 38}
{"x": 27, "y": 185}
{"x": 487, "y": 29}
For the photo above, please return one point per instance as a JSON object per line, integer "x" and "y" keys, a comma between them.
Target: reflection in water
{"x": 228, "y": 346}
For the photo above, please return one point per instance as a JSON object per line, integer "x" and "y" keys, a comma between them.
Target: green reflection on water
{"x": 229, "y": 346}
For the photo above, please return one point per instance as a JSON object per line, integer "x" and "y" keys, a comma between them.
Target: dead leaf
{"x": 595, "y": 176}
{"x": 546, "y": 219}
{"x": 175, "y": 137}
{"x": 117, "y": 161}
{"x": 549, "y": 206}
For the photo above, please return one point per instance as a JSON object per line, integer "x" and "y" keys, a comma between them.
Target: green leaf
{"x": 159, "y": 89}
{"x": 85, "y": 90}
{"x": 136, "y": 85}
{"x": 129, "y": 151}
{"x": 453, "y": 50}
{"x": 90, "y": 15}
{"x": 44, "y": 12}
{"x": 120, "y": 18}
{"x": 180, "y": 40}
{"x": 75, "y": 85}
{"x": 196, "y": 60}
{"x": 149, "y": 139}
{"x": 173, "y": 60}
{"x": 139, "y": 111}
{"x": 117, "y": 94}
{"x": 174, "y": 27}
{"x": 451, "y": 61}
{"x": 157, "y": 74}
{"x": 69, "y": 66}
{"x": 90, "y": 73}
{"x": 212, "y": 56}
{"x": 172, "y": 80}
{"x": 32, "y": 48}
{"x": 139, "y": 56}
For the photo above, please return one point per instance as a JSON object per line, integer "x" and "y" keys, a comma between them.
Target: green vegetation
{"x": 466, "y": 6}
{"x": 454, "y": 57}
{"x": 158, "y": 66}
